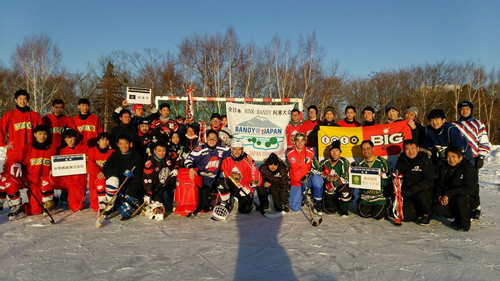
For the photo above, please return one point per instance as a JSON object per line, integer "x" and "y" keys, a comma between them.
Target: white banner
{"x": 138, "y": 95}
{"x": 67, "y": 165}
{"x": 364, "y": 178}
{"x": 261, "y": 128}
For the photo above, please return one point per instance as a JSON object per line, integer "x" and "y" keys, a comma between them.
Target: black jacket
{"x": 118, "y": 163}
{"x": 461, "y": 179}
{"x": 276, "y": 178}
{"x": 418, "y": 173}
{"x": 312, "y": 138}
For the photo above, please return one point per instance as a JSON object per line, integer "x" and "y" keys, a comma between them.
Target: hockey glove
{"x": 174, "y": 173}
{"x": 129, "y": 174}
{"x": 16, "y": 170}
{"x": 479, "y": 163}
{"x": 147, "y": 199}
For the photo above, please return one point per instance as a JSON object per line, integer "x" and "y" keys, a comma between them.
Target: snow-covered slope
{"x": 251, "y": 247}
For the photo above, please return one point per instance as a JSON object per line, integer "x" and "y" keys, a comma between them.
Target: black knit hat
{"x": 329, "y": 108}
{"x": 273, "y": 159}
{"x": 335, "y": 144}
{"x": 465, "y": 103}
{"x": 143, "y": 121}
{"x": 392, "y": 104}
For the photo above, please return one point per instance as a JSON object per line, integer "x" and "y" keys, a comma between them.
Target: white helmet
{"x": 236, "y": 143}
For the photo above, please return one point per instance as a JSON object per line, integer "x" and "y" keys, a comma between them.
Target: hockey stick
{"x": 257, "y": 206}
{"x": 100, "y": 218}
{"x": 311, "y": 217}
{"x": 52, "y": 221}
{"x": 397, "y": 208}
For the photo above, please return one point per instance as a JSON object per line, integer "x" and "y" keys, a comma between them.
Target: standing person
{"x": 372, "y": 203}
{"x": 208, "y": 159}
{"x": 417, "y": 130}
{"x": 293, "y": 128}
{"x": 97, "y": 157}
{"x": 241, "y": 177}
{"x": 457, "y": 189}
{"x": 191, "y": 140}
{"x": 146, "y": 137}
{"x": 31, "y": 165}
{"x": 56, "y": 121}
{"x": 418, "y": 179}
{"x": 439, "y": 135}
{"x": 475, "y": 133}
{"x": 75, "y": 185}
{"x": 164, "y": 124}
{"x": 338, "y": 194}
{"x": 87, "y": 124}
{"x": 118, "y": 168}
{"x": 309, "y": 124}
{"x": 275, "y": 181}
{"x": 125, "y": 127}
{"x": 369, "y": 116}
{"x": 350, "y": 118}
{"x": 224, "y": 133}
{"x": 138, "y": 111}
{"x": 16, "y": 127}
{"x": 304, "y": 173}
{"x": 392, "y": 113}
{"x": 328, "y": 120}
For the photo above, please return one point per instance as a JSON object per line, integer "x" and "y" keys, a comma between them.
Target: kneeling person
{"x": 275, "y": 181}
{"x": 156, "y": 180}
{"x": 457, "y": 189}
{"x": 241, "y": 177}
{"x": 338, "y": 195}
{"x": 118, "y": 168}
{"x": 418, "y": 178}
{"x": 372, "y": 203}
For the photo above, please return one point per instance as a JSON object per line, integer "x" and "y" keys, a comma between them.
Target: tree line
{"x": 219, "y": 65}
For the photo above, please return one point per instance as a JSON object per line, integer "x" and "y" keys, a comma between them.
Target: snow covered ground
{"x": 251, "y": 247}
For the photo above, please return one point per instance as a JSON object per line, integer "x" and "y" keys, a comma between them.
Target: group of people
{"x": 138, "y": 161}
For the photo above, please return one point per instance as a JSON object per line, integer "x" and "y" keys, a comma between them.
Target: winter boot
{"x": 425, "y": 220}
{"x": 318, "y": 208}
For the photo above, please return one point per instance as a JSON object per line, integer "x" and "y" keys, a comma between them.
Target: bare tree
{"x": 38, "y": 59}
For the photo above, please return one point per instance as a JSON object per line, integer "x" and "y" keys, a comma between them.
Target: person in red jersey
{"x": 293, "y": 128}
{"x": 31, "y": 166}
{"x": 18, "y": 124}
{"x": 76, "y": 185}
{"x": 57, "y": 121}
{"x": 87, "y": 124}
{"x": 307, "y": 126}
{"x": 97, "y": 157}
{"x": 350, "y": 118}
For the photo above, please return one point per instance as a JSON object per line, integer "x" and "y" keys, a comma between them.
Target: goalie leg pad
{"x": 112, "y": 184}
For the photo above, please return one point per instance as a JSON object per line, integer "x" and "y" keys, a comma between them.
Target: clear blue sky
{"x": 364, "y": 36}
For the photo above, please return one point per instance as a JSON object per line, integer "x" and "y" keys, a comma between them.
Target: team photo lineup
{"x": 156, "y": 166}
